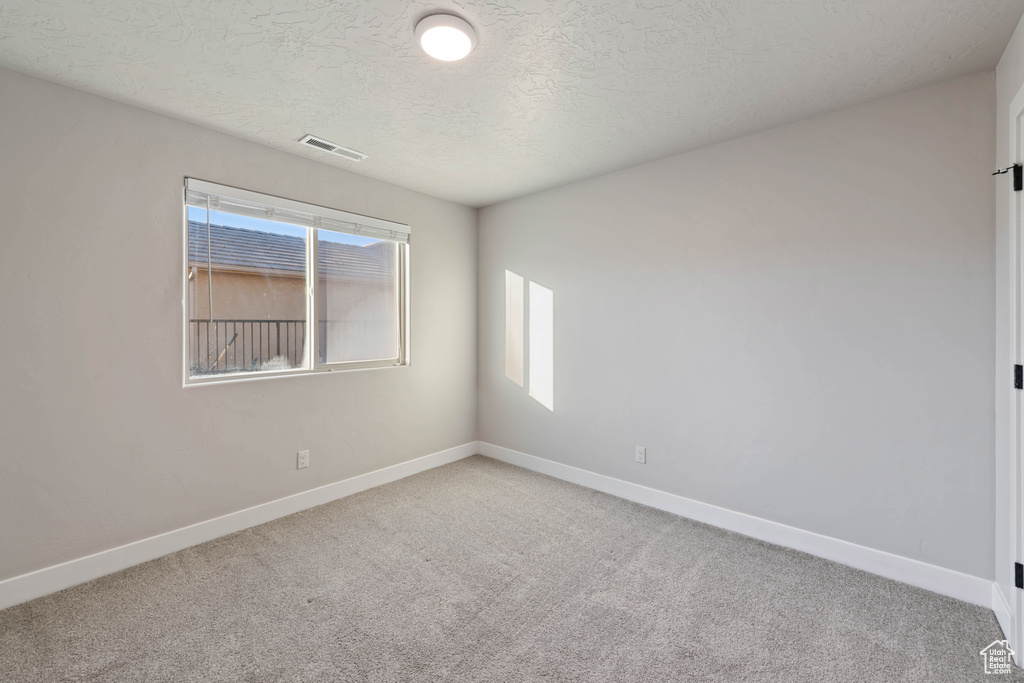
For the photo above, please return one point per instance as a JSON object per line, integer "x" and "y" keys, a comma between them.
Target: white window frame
{"x": 312, "y": 216}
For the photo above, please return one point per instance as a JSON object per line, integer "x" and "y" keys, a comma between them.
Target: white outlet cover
{"x": 641, "y": 454}
{"x": 301, "y": 460}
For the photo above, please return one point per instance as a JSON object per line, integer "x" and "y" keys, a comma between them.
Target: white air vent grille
{"x": 344, "y": 152}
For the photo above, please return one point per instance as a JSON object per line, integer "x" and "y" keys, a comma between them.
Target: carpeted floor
{"x": 480, "y": 571}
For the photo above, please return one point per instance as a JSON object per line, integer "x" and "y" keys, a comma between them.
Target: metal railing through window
{"x": 228, "y": 345}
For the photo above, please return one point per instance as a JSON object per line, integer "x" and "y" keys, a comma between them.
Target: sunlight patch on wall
{"x": 542, "y": 345}
{"x": 514, "y": 327}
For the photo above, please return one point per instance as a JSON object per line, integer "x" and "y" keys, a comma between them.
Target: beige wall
{"x": 247, "y": 296}
{"x": 101, "y": 444}
{"x": 797, "y": 324}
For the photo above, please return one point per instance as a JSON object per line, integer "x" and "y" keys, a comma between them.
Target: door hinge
{"x": 1018, "y": 376}
{"x": 1018, "y": 176}
{"x": 1018, "y": 575}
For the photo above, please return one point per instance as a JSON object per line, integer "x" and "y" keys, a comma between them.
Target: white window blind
{"x": 202, "y": 194}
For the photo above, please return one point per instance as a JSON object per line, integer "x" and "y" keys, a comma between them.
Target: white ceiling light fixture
{"x": 445, "y": 37}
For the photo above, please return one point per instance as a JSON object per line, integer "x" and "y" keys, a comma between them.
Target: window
{"x": 276, "y": 287}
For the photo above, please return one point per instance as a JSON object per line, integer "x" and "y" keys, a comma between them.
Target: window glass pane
{"x": 246, "y": 294}
{"x": 357, "y": 298}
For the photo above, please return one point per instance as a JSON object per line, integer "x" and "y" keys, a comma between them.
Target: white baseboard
{"x": 955, "y": 584}
{"x": 1002, "y": 609}
{"x": 35, "y": 584}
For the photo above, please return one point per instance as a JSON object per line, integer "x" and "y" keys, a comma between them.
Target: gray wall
{"x": 100, "y": 443}
{"x": 1009, "y": 81}
{"x": 796, "y": 324}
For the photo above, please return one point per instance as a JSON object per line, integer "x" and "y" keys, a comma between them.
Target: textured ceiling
{"x": 556, "y": 90}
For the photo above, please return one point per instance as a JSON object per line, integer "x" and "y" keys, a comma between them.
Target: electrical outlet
{"x": 301, "y": 459}
{"x": 641, "y": 455}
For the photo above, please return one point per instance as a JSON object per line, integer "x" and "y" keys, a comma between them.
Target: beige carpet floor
{"x": 480, "y": 571}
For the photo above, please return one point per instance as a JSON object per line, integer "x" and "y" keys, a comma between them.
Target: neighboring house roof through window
{"x": 250, "y": 251}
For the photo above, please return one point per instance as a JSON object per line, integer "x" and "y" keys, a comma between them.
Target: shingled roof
{"x": 251, "y": 251}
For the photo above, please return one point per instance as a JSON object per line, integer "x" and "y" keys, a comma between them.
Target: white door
{"x": 1017, "y": 146}
{"x": 1007, "y": 600}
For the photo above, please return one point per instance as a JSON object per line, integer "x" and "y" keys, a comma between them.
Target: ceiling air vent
{"x": 345, "y": 152}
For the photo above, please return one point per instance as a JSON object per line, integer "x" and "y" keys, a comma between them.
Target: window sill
{"x": 236, "y": 378}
